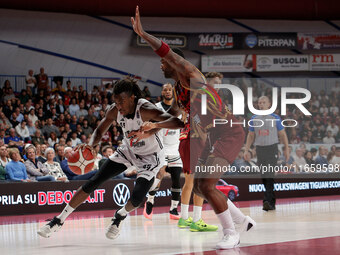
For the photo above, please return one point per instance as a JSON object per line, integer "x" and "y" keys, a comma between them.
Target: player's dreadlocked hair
{"x": 129, "y": 86}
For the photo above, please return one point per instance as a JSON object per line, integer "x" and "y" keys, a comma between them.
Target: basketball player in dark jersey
{"x": 219, "y": 147}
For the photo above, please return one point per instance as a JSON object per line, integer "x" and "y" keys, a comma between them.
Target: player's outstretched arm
{"x": 104, "y": 125}
{"x": 155, "y": 118}
{"x": 182, "y": 66}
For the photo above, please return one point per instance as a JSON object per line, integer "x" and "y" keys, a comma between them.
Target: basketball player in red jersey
{"x": 220, "y": 145}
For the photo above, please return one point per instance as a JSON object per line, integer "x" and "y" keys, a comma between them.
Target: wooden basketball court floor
{"x": 298, "y": 226}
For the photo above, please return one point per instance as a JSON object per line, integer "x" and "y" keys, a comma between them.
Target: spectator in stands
{"x": 74, "y": 139}
{"x": 70, "y": 175}
{"x": 318, "y": 134}
{"x": 90, "y": 117}
{"x": 32, "y": 116}
{"x": 37, "y": 138}
{"x": 41, "y": 115}
{"x": 31, "y": 128}
{"x": 13, "y": 139}
{"x": 330, "y": 156}
{"x": 53, "y": 139}
{"x": 82, "y": 111}
{"x": 24, "y": 97}
{"x": 146, "y": 92}
{"x": 73, "y": 123}
{"x": 2, "y": 136}
{"x": 49, "y": 127}
{"x": 68, "y": 85}
{"x": 299, "y": 160}
{"x": 31, "y": 82}
{"x": 107, "y": 151}
{"x": 335, "y": 161}
{"x": 334, "y": 108}
{"x": 321, "y": 159}
{"x": 42, "y": 82}
{"x": 54, "y": 167}
{"x": 309, "y": 158}
{"x": 9, "y": 94}
{"x": 60, "y": 107}
{"x": 79, "y": 131}
{"x": 4, "y": 159}
{"x": 329, "y": 139}
{"x": 43, "y": 148}
{"x": 22, "y": 130}
{"x": 60, "y": 153}
{"x": 20, "y": 116}
{"x": 333, "y": 128}
{"x": 16, "y": 170}
{"x": 74, "y": 107}
{"x": 35, "y": 169}
{"x": 4, "y": 121}
{"x": 86, "y": 128}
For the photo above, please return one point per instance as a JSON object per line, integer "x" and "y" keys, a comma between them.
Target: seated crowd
{"x": 39, "y": 127}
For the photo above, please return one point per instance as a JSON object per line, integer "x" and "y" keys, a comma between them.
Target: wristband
{"x": 163, "y": 50}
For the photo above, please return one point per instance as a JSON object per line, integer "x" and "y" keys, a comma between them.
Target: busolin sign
{"x": 238, "y": 103}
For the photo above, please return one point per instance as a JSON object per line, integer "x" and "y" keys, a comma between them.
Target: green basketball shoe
{"x": 182, "y": 223}
{"x": 201, "y": 226}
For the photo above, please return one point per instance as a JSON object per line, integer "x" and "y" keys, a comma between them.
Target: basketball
{"x": 81, "y": 160}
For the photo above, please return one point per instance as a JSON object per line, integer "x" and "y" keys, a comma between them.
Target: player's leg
{"x": 148, "y": 206}
{"x": 175, "y": 173}
{"x": 207, "y": 187}
{"x": 139, "y": 192}
{"x": 185, "y": 220}
{"x": 107, "y": 171}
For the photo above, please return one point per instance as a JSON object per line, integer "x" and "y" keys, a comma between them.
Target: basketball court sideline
{"x": 298, "y": 226}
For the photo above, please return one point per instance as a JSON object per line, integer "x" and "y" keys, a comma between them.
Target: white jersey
{"x": 147, "y": 155}
{"x": 170, "y": 139}
{"x": 143, "y": 147}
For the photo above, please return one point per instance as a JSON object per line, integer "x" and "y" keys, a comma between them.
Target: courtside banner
{"x": 48, "y": 197}
{"x": 172, "y": 39}
{"x": 324, "y": 62}
{"x": 227, "y": 63}
{"x": 267, "y": 40}
{"x": 282, "y": 63}
{"x": 318, "y": 41}
{"x": 223, "y": 40}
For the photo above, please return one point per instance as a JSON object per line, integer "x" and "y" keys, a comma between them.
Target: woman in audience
{"x": 15, "y": 169}
{"x": 53, "y": 139}
{"x": 54, "y": 167}
{"x": 35, "y": 169}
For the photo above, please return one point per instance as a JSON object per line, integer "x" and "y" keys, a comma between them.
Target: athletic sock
{"x": 65, "y": 213}
{"x": 184, "y": 211}
{"x": 226, "y": 222}
{"x": 197, "y": 213}
{"x": 174, "y": 204}
{"x": 236, "y": 214}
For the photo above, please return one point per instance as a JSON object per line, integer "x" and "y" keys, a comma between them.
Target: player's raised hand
{"x": 136, "y": 23}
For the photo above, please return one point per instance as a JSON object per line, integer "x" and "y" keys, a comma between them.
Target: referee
{"x": 266, "y": 135}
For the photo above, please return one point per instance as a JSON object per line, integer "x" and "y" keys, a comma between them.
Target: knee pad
{"x": 140, "y": 190}
{"x": 136, "y": 200}
{"x": 175, "y": 173}
{"x": 90, "y": 186}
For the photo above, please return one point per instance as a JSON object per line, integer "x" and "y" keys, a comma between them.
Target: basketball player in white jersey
{"x": 145, "y": 153}
{"x": 170, "y": 140}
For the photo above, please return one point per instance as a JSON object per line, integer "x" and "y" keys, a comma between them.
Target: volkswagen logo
{"x": 121, "y": 194}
